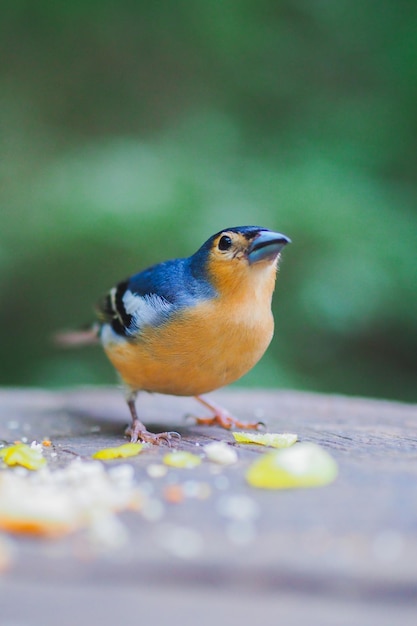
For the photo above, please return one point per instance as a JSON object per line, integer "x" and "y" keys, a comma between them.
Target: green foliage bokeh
{"x": 132, "y": 131}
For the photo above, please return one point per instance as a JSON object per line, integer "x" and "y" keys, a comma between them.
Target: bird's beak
{"x": 266, "y": 246}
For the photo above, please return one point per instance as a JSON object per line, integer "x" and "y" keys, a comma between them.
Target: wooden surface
{"x": 341, "y": 554}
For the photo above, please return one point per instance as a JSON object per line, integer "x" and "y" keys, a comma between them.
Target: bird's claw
{"x": 223, "y": 418}
{"x": 138, "y": 433}
{"x": 171, "y": 436}
{"x": 228, "y": 422}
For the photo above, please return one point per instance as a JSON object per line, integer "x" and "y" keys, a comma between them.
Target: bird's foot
{"x": 138, "y": 432}
{"x": 223, "y": 418}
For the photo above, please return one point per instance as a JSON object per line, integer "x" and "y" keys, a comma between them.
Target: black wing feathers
{"x": 111, "y": 309}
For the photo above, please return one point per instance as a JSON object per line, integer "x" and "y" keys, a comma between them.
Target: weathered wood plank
{"x": 353, "y": 541}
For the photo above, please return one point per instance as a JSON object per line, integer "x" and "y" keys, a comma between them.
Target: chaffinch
{"x": 191, "y": 325}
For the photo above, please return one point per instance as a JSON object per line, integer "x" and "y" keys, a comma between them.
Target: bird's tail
{"x": 77, "y": 338}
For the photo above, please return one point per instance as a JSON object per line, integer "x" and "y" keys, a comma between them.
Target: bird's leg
{"x": 138, "y": 431}
{"x": 223, "y": 418}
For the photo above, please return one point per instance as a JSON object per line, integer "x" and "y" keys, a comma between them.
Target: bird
{"x": 188, "y": 326}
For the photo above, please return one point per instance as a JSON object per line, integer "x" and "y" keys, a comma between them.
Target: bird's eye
{"x": 225, "y": 242}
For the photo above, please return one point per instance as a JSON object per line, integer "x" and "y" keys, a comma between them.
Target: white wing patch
{"x": 109, "y": 337}
{"x": 145, "y": 310}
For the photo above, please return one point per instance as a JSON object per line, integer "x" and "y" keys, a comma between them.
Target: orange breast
{"x": 202, "y": 349}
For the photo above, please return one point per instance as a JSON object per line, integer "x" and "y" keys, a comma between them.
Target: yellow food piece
{"x": 304, "y": 465}
{"x": 24, "y": 455}
{"x": 182, "y": 459}
{"x": 119, "y": 452}
{"x": 273, "y": 440}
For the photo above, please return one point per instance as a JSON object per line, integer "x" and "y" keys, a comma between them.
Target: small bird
{"x": 191, "y": 325}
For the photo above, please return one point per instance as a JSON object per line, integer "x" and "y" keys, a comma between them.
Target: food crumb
{"x": 155, "y": 470}
{"x": 107, "y": 531}
{"x": 220, "y": 452}
{"x": 181, "y": 459}
{"x": 174, "y": 494}
{"x": 196, "y": 489}
{"x": 83, "y": 494}
{"x": 152, "y": 510}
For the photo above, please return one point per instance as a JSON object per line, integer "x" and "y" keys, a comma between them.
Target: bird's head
{"x": 241, "y": 256}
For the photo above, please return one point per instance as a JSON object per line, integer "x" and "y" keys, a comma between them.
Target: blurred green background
{"x": 133, "y": 130}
